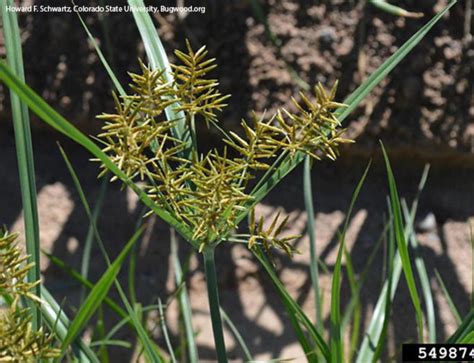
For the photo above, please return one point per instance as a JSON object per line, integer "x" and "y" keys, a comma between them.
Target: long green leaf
{"x": 237, "y": 335}
{"x": 335, "y": 315}
{"x": 150, "y": 348}
{"x": 314, "y": 270}
{"x": 403, "y": 246}
{"x": 115, "y": 343}
{"x": 98, "y": 293}
{"x": 58, "y": 323}
{"x": 86, "y": 253}
{"x": 132, "y": 261}
{"x": 447, "y": 295}
{"x": 377, "y": 322}
{"x": 466, "y": 327}
{"x": 355, "y": 294}
{"x": 356, "y": 310}
{"x": 84, "y": 282}
{"x": 420, "y": 264}
{"x": 468, "y": 338}
{"x": 127, "y": 321}
{"x": 54, "y": 119}
{"x": 164, "y": 330}
{"x": 106, "y": 65}
{"x": 308, "y": 348}
{"x": 388, "y": 299}
{"x": 292, "y": 307}
{"x": 24, "y": 152}
{"x": 184, "y": 304}
{"x": 424, "y": 282}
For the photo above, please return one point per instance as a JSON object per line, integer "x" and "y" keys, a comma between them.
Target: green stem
{"x": 214, "y": 306}
{"x": 308, "y": 201}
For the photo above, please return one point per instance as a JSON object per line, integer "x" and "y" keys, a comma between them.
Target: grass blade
{"x": 403, "y": 246}
{"x": 164, "y": 330}
{"x": 84, "y": 282}
{"x": 86, "y": 254}
{"x": 307, "y": 347}
{"x": 424, "y": 282}
{"x": 292, "y": 307}
{"x": 466, "y": 328}
{"x": 356, "y": 311}
{"x": 388, "y": 299}
{"x": 159, "y": 60}
{"x": 376, "y": 325}
{"x": 314, "y": 271}
{"x": 54, "y": 119}
{"x": 362, "y": 279}
{"x": 115, "y": 343}
{"x": 420, "y": 264}
{"x": 149, "y": 347}
{"x": 375, "y": 329}
{"x": 127, "y": 320}
{"x": 58, "y": 322}
{"x": 335, "y": 315}
{"x": 98, "y": 293}
{"x": 237, "y": 335}
{"x": 106, "y": 65}
{"x": 447, "y": 295}
{"x": 24, "y": 152}
{"x": 468, "y": 338}
{"x": 184, "y": 304}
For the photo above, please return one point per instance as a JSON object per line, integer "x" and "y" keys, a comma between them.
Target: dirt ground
{"x": 427, "y": 101}
{"x": 424, "y": 112}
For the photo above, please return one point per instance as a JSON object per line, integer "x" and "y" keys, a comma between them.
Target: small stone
{"x": 428, "y": 223}
{"x": 327, "y": 37}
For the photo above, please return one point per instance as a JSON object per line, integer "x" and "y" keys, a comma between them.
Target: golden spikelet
{"x": 14, "y": 269}
{"x": 270, "y": 237}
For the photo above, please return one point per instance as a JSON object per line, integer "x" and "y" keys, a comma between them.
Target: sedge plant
{"x": 208, "y": 192}
{"x": 149, "y": 143}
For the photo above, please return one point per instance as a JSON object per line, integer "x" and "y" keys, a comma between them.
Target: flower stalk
{"x": 214, "y": 305}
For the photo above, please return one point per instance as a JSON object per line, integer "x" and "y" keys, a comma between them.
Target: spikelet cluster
{"x": 270, "y": 237}
{"x": 208, "y": 191}
{"x": 18, "y": 341}
{"x": 13, "y": 268}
